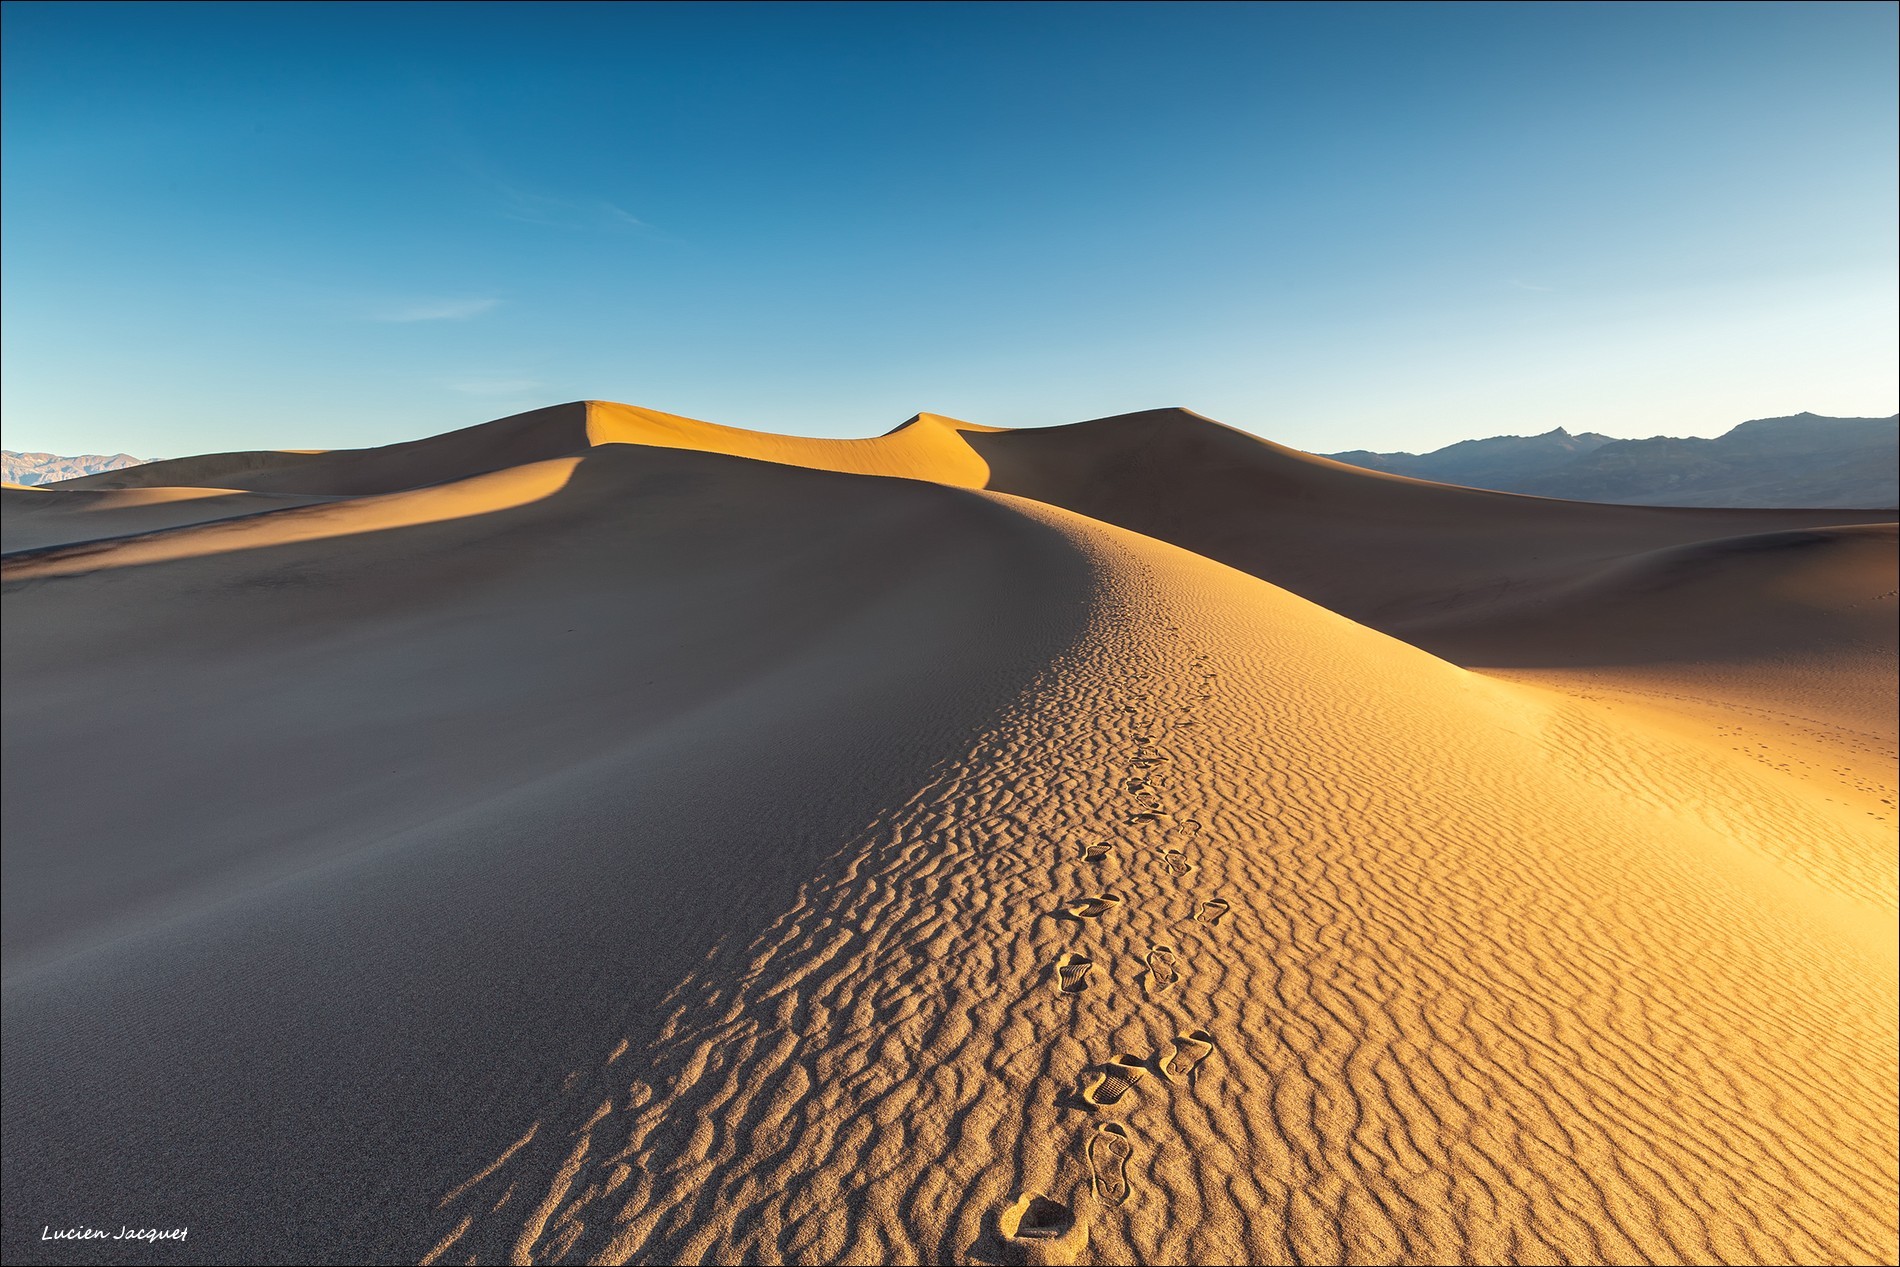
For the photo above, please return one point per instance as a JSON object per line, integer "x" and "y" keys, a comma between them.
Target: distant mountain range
{"x": 48, "y": 468}
{"x": 1802, "y": 461}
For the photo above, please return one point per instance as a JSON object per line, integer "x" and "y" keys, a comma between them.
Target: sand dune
{"x": 1797, "y": 625}
{"x": 209, "y": 470}
{"x": 1625, "y": 604}
{"x": 1406, "y": 556}
{"x": 40, "y": 518}
{"x": 1423, "y": 561}
{"x": 928, "y": 447}
{"x": 1463, "y": 573}
{"x": 633, "y": 851}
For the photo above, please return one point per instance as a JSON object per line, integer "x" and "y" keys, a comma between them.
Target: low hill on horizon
{"x": 1805, "y": 460}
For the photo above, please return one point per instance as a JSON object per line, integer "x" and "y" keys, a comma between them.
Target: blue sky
{"x": 284, "y": 225}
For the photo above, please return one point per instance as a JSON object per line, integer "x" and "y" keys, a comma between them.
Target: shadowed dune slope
{"x": 1434, "y": 564}
{"x": 208, "y": 470}
{"x": 929, "y": 447}
{"x": 1400, "y": 554}
{"x": 354, "y": 821}
{"x": 38, "y": 518}
{"x": 225, "y": 486}
{"x": 1813, "y": 603}
{"x": 1716, "y": 613}
{"x": 1551, "y": 591}
{"x": 654, "y": 856}
{"x": 1409, "y": 557}
{"x": 534, "y": 436}
{"x": 1778, "y": 646}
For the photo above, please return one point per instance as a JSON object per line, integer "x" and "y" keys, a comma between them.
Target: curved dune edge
{"x": 295, "y": 520}
{"x": 1541, "y": 589}
{"x": 1406, "y": 556}
{"x": 447, "y": 791}
{"x": 1428, "y": 976}
{"x": 42, "y": 518}
{"x": 1780, "y": 654}
{"x": 647, "y": 855}
{"x": 929, "y": 447}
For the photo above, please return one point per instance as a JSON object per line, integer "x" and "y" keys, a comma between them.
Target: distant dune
{"x": 1803, "y": 460}
{"x": 602, "y": 836}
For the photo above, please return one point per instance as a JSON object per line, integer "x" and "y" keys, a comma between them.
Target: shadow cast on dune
{"x": 590, "y": 836}
{"x": 1434, "y": 564}
{"x": 497, "y": 748}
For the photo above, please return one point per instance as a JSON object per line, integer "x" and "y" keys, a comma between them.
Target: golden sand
{"x": 598, "y": 836}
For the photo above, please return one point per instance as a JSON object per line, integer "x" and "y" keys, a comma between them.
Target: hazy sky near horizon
{"x": 236, "y": 225}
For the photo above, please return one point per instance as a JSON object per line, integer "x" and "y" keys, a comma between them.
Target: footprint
{"x": 1097, "y": 852}
{"x": 1161, "y": 973}
{"x": 1094, "y": 907}
{"x": 1189, "y": 1050}
{"x": 1211, "y": 911}
{"x": 1038, "y": 1230}
{"x": 1176, "y": 862}
{"x": 1109, "y": 1151}
{"x": 1190, "y": 825}
{"x": 1072, "y": 973}
{"x": 1112, "y": 1084}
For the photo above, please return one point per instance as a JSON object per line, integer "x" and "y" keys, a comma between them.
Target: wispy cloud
{"x": 495, "y": 386}
{"x": 562, "y": 213}
{"x": 527, "y": 202}
{"x": 435, "y": 310}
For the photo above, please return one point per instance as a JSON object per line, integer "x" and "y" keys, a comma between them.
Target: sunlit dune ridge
{"x": 928, "y": 447}
{"x": 598, "y": 835}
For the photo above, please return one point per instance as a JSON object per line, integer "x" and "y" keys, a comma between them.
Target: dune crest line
{"x": 600, "y": 836}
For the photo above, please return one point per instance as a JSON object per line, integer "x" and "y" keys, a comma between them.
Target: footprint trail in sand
{"x": 735, "y": 931}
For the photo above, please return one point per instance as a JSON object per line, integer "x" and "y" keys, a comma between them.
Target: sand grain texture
{"x": 660, "y": 850}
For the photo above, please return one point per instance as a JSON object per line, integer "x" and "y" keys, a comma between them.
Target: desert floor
{"x": 601, "y": 836}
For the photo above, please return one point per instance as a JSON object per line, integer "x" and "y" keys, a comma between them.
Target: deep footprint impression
{"x": 1072, "y": 973}
{"x": 1094, "y": 907}
{"x": 1160, "y": 972}
{"x": 1109, "y": 1152}
{"x": 1110, "y": 1085}
{"x": 1211, "y": 911}
{"x": 1038, "y": 1230}
{"x": 1187, "y": 1051}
